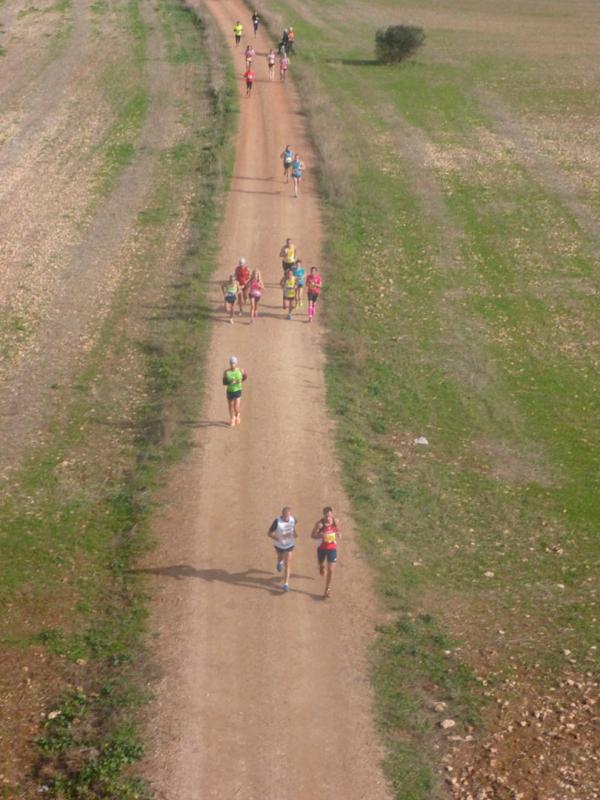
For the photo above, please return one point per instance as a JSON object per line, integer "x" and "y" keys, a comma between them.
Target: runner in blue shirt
{"x": 297, "y": 169}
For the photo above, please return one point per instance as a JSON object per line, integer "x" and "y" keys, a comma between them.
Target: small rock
{"x": 489, "y": 574}
{"x": 447, "y": 723}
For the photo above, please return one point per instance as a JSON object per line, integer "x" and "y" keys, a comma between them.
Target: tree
{"x": 397, "y": 42}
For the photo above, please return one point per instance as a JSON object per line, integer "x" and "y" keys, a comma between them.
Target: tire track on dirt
{"x": 263, "y": 694}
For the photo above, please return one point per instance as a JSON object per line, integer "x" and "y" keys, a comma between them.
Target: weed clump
{"x": 397, "y": 42}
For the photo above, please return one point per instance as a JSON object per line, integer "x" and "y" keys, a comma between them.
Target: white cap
{"x": 233, "y": 360}
{"x": 242, "y": 262}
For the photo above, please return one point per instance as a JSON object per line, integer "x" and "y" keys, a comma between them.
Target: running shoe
{"x": 289, "y": 316}
{"x": 285, "y": 587}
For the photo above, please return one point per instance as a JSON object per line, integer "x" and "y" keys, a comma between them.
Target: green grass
{"x": 74, "y": 519}
{"x": 460, "y": 306}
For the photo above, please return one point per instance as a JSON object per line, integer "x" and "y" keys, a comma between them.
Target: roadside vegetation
{"x": 461, "y": 299}
{"x": 73, "y": 518}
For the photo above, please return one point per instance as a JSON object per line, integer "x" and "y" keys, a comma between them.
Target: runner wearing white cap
{"x": 233, "y": 379}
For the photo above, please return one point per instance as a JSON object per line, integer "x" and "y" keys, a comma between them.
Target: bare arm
{"x": 316, "y": 531}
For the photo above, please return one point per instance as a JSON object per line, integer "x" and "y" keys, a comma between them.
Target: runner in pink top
{"x": 284, "y": 63}
{"x": 255, "y": 290}
{"x": 314, "y": 284}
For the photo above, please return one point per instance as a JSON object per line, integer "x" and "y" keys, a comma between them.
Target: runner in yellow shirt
{"x": 287, "y": 254}
{"x": 289, "y": 284}
{"x": 238, "y": 30}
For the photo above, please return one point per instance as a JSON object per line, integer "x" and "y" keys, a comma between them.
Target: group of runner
{"x": 250, "y": 53}
{"x": 245, "y": 285}
{"x": 284, "y": 532}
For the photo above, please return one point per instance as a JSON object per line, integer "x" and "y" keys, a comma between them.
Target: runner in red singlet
{"x": 326, "y": 529}
{"x": 314, "y": 284}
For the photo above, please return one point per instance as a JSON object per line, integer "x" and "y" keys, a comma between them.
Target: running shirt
{"x": 288, "y": 156}
{"x": 314, "y": 284}
{"x": 296, "y": 168}
{"x": 284, "y": 63}
{"x": 284, "y": 532}
{"x": 255, "y": 289}
{"x": 299, "y": 275}
{"x": 249, "y": 75}
{"x": 234, "y": 380}
{"x": 231, "y": 290}
{"x": 242, "y": 275}
{"x": 238, "y": 30}
{"x": 289, "y": 288}
{"x": 250, "y": 53}
{"x": 328, "y": 534}
{"x": 289, "y": 254}
{"x": 271, "y": 59}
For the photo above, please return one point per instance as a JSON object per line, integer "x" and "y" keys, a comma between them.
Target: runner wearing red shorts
{"x": 326, "y": 529}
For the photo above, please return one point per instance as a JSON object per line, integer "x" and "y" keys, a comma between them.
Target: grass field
{"x": 73, "y": 519}
{"x": 462, "y": 303}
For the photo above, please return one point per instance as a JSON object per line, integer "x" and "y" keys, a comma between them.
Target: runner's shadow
{"x": 205, "y": 423}
{"x": 255, "y": 191}
{"x": 249, "y": 579}
{"x": 248, "y": 178}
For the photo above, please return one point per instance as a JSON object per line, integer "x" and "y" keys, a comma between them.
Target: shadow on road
{"x": 250, "y": 578}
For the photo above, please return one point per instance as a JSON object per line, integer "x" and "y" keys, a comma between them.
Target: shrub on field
{"x": 397, "y": 42}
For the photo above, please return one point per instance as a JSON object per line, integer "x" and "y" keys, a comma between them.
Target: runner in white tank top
{"x": 284, "y": 534}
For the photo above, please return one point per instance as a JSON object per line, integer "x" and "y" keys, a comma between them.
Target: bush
{"x": 397, "y": 42}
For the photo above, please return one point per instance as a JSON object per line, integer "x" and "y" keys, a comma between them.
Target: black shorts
{"x": 285, "y": 266}
{"x": 237, "y": 39}
{"x": 312, "y": 297}
{"x": 330, "y": 555}
{"x": 281, "y": 551}
{"x": 234, "y": 395}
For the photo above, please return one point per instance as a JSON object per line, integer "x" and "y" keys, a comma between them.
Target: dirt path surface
{"x": 264, "y": 694}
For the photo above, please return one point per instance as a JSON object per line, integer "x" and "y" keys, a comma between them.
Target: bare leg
{"x": 287, "y": 566}
{"x": 328, "y": 579}
{"x": 231, "y": 407}
{"x": 236, "y": 409}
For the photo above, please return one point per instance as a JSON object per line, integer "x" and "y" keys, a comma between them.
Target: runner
{"x": 287, "y": 156}
{"x": 238, "y": 29}
{"x": 291, "y": 42}
{"x": 255, "y": 21}
{"x": 231, "y": 290}
{"x": 284, "y": 534}
{"x": 242, "y": 276}
{"x": 314, "y": 284}
{"x": 326, "y": 529}
{"x": 299, "y": 275}
{"x": 256, "y": 287}
{"x": 249, "y": 54}
{"x": 284, "y": 63}
{"x": 271, "y": 64}
{"x": 288, "y": 284}
{"x": 288, "y": 255}
{"x": 297, "y": 168}
{"x": 233, "y": 379}
{"x": 249, "y": 76}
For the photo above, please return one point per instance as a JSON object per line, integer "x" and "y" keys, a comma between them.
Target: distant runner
{"x": 271, "y": 64}
{"x": 238, "y": 29}
{"x": 291, "y": 41}
{"x": 242, "y": 276}
{"x": 287, "y": 254}
{"x": 289, "y": 284}
{"x": 284, "y": 63}
{"x": 314, "y": 284}
{"x": 249, "y": 76}
{"x": 299, "y": 275}
{"x": 297, "y": 169}
{"x": 284, "y": 534}
{"x": 249, "y": 54}
{"x": 287, "y": 157}
{"x": 233, "y": 379}
{"x": 231, "y": 289}
{"x": 255, "y": 21}
{"x": 326, "y": 529}
{"x": 255, "y": 290}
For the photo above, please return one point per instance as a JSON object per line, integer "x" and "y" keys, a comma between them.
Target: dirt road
{"x": 264, "y": 695}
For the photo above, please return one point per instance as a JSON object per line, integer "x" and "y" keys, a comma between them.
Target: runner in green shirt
{"x": 233, "y": 379}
